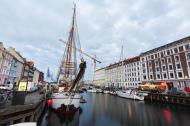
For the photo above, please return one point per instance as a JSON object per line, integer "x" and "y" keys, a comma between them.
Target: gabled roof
{"x": 15, "y": 54}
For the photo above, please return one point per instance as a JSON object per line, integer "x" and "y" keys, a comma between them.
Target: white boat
{"x": 106, "y": 91}
{"x": 112, "y": 93}
{"x": 98, "y": 90}
{"x": 130, "y": 94}
{"x": 91, "y": 90}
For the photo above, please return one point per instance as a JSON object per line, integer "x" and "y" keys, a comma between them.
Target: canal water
{"x": 109, "y": 110}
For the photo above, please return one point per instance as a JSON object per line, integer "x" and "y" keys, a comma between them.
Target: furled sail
{"x": 67, "y": 73}
{"x": 79, "y": 75}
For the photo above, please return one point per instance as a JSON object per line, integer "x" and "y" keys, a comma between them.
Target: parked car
{"x": 187, "y": 90}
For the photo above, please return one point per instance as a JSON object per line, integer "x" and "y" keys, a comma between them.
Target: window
{"x": 164, "y": 68}
{"x": 187, "y": 47}
{"x": 143, "y": 65}
{"x": 162, "y": 54}
{"x": 180, "y": 74}
{"x": 168, "y": 52}
{"x": 189, "y": 64}
{"x": 164, "y": 75}
{"x": 171, "y": 51}
{"x": 144, "y": 77}
{"x": 150, "y": 69}
{"x": 158, "y": 76}
{"x": 156, "y": 62}
{"x": 143, "y": 59}
{"x": 163, "y": 61}
{"x": 144, "y": 71}
{"x": 169, "y": 60}
{"x": 177, "y": 58}
{"x": 151, "y": 77}
{"x": 170, "y": 67}
{"x": 152, "y": 56}
{"x": 178, "y": 66}
{"x": 188, "y": 56}
{"x": 157, "y": 69}
{"x": 175, "y": 50}
{"x": 156, "y": 56}
{"x": 150, "y": 63}
{"x": 171, "y": 75}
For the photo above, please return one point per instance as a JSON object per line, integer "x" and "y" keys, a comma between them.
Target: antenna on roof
{"x": 121, "y": 55}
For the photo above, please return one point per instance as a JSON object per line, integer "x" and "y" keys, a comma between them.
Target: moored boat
{"x": 66, "y": 98}
{"x": 91, "y": 90}
{"x": 66, "y": 103}
{"x": 113, "y": 93}
{"x": 130, "y": 94}
{"x": 99, "y": 90}
{"x": 106, "y": 91}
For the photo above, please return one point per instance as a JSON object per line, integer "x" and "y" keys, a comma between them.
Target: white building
{"x": 115, "y": 75}
{"x": 132, "y": 72}
{"x": 99, "y": 77}
{"x": 126, "y": 73}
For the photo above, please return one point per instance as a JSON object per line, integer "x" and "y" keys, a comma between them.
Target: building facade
{"x": 13, "y": 71}
{"x": 41, "y": 77}
{"x": 28, "y": 71}
{"x": 114, "y": 74}
{"x": 124, "y": 74}
{"x": 36, "y": 76}
{"x": 16, "y": 66}
{"x": 132, "y": 72}
{"x": 5, "y": 64}
{"x": 99, "y": 77}
{"x": 170, "y": 63}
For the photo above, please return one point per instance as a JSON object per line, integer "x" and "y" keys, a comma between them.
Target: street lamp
{"x": 186, "y": 78}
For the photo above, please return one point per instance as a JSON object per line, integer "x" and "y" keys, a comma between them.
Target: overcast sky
{"x": 33, "y": 27}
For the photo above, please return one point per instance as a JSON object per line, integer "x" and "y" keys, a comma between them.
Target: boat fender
{"x": 50, "y": 102}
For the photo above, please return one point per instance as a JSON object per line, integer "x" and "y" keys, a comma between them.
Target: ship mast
{"x": 68, "y": 66}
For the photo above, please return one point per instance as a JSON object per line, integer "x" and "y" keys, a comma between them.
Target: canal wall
{"x": 169, "y": 99}
{"x": 21, "y": 113}
{"x": 26, "y": 107}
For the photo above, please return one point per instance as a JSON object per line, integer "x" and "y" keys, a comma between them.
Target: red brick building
{"x": 170, "y": 62}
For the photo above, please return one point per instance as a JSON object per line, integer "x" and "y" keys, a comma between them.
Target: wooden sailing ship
{"x": 70, "y": 73}
{"x": 67, "y": 99}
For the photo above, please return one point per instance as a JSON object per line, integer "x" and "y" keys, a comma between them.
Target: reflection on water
{"x": 52, "y": 118}
{"x": 105, "y": 109}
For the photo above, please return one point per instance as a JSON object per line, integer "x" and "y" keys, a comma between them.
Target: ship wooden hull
{"x": 64, "y": 103}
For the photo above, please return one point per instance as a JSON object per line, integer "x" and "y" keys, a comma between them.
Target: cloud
{"x": 33, "y": 27}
